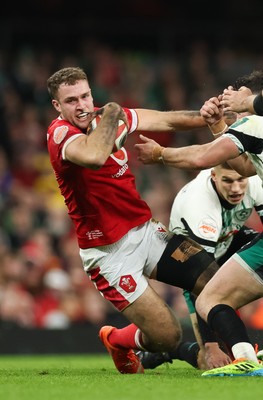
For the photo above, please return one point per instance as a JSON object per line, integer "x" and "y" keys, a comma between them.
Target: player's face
{"x": 230, "y": 185}
{"x": 75, "y": 104}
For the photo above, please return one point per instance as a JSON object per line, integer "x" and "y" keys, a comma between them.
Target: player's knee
{"x": 171, "y": 339}
{"x": 174, "y": 337}
{"x": 201, "y": 307}
{"x": 166, "y": 338}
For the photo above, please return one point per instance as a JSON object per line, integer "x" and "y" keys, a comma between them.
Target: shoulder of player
{"x": 255, "y": 187}
{"x": 200, "y": 193}
{"x": 61, "y": 131}
{"x": 60, "y": 127}
{"x": 58, "y": 122}
{"x": 202, "y": 183}
{"x": 249, "y": 124}
{"x": 132, "y": 118}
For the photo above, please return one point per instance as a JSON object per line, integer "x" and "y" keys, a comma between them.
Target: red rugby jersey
{"x": 103, "y": 204}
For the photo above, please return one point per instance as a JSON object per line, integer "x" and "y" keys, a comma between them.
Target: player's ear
{"x": 213, "y": 174}
{"x": 56, "y": 105}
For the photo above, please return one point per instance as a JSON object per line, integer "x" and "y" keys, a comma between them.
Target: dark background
{"x": 150, "y": 24}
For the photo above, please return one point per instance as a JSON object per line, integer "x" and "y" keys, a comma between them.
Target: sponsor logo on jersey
{"x": 121, "y": 158}
{"x": 127, "y": 283}
{"x": 121, "y": 171}
{"x": 207, "y": 228}
{"x": 60, "y": 133}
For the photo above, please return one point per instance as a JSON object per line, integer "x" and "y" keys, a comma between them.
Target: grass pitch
{"x": 94, "y": 377}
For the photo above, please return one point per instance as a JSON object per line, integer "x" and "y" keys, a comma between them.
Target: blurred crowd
{"x": 42, "y": 283}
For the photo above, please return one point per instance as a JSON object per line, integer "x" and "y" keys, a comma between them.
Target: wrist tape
{"x": 157, "y": 154}
{"x": 218, "y": 128}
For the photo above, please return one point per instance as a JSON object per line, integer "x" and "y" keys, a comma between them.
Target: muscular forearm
{"x": 184, "y": 158}
{"x": 191, "y": 157}
{"x": 92, "y": 151}
{"x": 170, "y": 121}
{"x": 199, "y": 157}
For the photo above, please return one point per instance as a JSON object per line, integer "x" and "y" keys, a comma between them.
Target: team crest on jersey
{"x": 127, "y": 283}
{"x": 207, "y": 228}
{"x": 242, "y": 215}
{"x": 60, "y": 133}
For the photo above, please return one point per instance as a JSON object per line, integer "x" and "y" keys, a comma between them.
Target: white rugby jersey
{"x": 247, "y": 134}
{"x": 212, "y": 222}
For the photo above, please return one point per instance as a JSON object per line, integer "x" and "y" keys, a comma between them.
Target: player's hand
{"x": 145, "y": 150}
{"x": 212, "y": 110}
{"x": 235, "y": 100}
{"x": 114, "y": 109}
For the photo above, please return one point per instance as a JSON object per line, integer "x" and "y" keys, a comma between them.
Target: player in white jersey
{"x": 121, "y": 245}
{"x": 240, "y": 280}
{"x": 224, "y": 200}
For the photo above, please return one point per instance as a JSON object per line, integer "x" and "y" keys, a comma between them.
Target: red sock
{"x": 129, "y": 337}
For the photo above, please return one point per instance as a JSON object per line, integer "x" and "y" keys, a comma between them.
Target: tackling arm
{"x": 196, "y": 157}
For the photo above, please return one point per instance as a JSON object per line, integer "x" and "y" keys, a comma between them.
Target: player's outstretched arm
{"x": 196, "y": 157}
{"x": 168, "y": 121}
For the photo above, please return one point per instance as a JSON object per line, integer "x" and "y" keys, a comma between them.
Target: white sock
{"x": 244, "y": 350}
{"x": 137, "y": 340}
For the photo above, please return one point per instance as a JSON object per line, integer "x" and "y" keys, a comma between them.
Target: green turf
{"x": 95, "y": 377}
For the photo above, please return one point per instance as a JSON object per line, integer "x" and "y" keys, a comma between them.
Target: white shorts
{"x": 119, "y": 270}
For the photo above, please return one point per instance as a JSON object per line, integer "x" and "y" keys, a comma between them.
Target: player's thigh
{"x": 232, "y": 285}
{"x": 155, "y": 319}
{"x": 185, "y": 264}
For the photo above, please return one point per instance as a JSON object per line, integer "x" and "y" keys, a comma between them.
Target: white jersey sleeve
{"x": 246, "y": 133}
